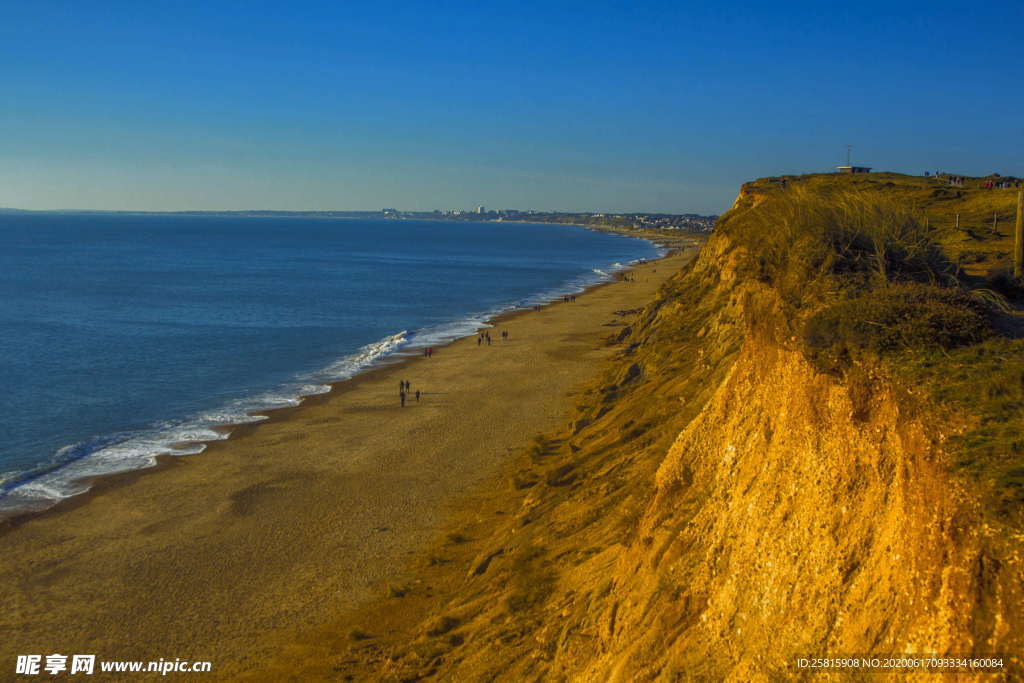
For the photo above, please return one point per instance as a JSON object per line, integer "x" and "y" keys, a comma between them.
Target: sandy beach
{"x": 293, "y": 519}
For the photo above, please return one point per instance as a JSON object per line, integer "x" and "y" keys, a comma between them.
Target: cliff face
{"x": 796, "y": 515}
{"x": 789, "y": 521}
{"x": 721, "y": 507}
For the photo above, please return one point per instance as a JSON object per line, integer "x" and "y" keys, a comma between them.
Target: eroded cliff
{"x": 760, "y": 476}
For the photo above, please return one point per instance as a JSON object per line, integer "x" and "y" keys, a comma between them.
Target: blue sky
{"x": 611, "y": 106}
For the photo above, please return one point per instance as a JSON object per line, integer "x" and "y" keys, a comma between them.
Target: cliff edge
{"x": 808, "y": 446}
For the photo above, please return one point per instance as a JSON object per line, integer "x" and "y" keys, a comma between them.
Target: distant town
{"x": 687, "y": 222}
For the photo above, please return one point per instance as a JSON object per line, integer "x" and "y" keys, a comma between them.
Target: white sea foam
{"x": 351, "y": 365}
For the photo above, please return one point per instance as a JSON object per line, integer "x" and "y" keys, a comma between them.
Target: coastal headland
{"x": 307, "y": 514}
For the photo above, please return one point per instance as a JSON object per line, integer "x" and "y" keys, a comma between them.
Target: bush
{"x": 802, "y": 239}
{"x": 893, "y": 319}
{"x": 1001, "y": 280}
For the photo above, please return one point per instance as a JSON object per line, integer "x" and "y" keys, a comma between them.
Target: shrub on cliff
{"x": 1001, "y": 279}
{"x": 891, "y": 319}
{"x": 809, "y": 245}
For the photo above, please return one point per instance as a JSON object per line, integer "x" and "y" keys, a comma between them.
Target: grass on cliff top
{"x": 868, "y": 275}
{"x": 980, "y": 246}
{"x": 821, "y": 247}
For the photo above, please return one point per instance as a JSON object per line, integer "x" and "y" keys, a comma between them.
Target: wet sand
{"x": 305, "y": 514}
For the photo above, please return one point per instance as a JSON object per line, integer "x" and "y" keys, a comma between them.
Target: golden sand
{"x": 305, "y": 515}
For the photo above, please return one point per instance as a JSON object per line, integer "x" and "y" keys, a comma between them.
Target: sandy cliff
{"x": 723, "y": 504}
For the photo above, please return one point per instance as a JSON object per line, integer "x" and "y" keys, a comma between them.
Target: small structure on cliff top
{"x": 853, "y": 169}
{"x": 849, "y": 168}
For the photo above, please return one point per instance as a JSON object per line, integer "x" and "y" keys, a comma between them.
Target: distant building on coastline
{"x": 480, "y": 209}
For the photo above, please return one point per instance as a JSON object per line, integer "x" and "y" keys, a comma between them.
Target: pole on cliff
{"x": 1018, "y": 237}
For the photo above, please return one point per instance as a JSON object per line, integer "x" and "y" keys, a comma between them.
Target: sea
{"x": 127, "y": 336}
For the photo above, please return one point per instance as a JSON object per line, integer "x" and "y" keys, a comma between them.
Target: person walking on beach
{"x": 401, "y": 397}
{"x": 479, "y": 340}
{"x": 417, "y": 395}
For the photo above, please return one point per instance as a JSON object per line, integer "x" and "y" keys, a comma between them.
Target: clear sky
{"x": 610, "y": 106}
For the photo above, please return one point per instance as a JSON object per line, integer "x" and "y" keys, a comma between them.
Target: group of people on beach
{"x": 486, "y": 337}
{"x": 405, "y": 389}
{"x": 405, "y": 386}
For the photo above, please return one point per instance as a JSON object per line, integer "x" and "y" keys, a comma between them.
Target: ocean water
{"x": 126, "y": 336}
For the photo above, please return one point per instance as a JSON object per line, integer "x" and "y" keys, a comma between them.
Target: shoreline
{"x": 101, "y": 483}
{"x": 305, "y": 513}
{"x": 230, "y": 429}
